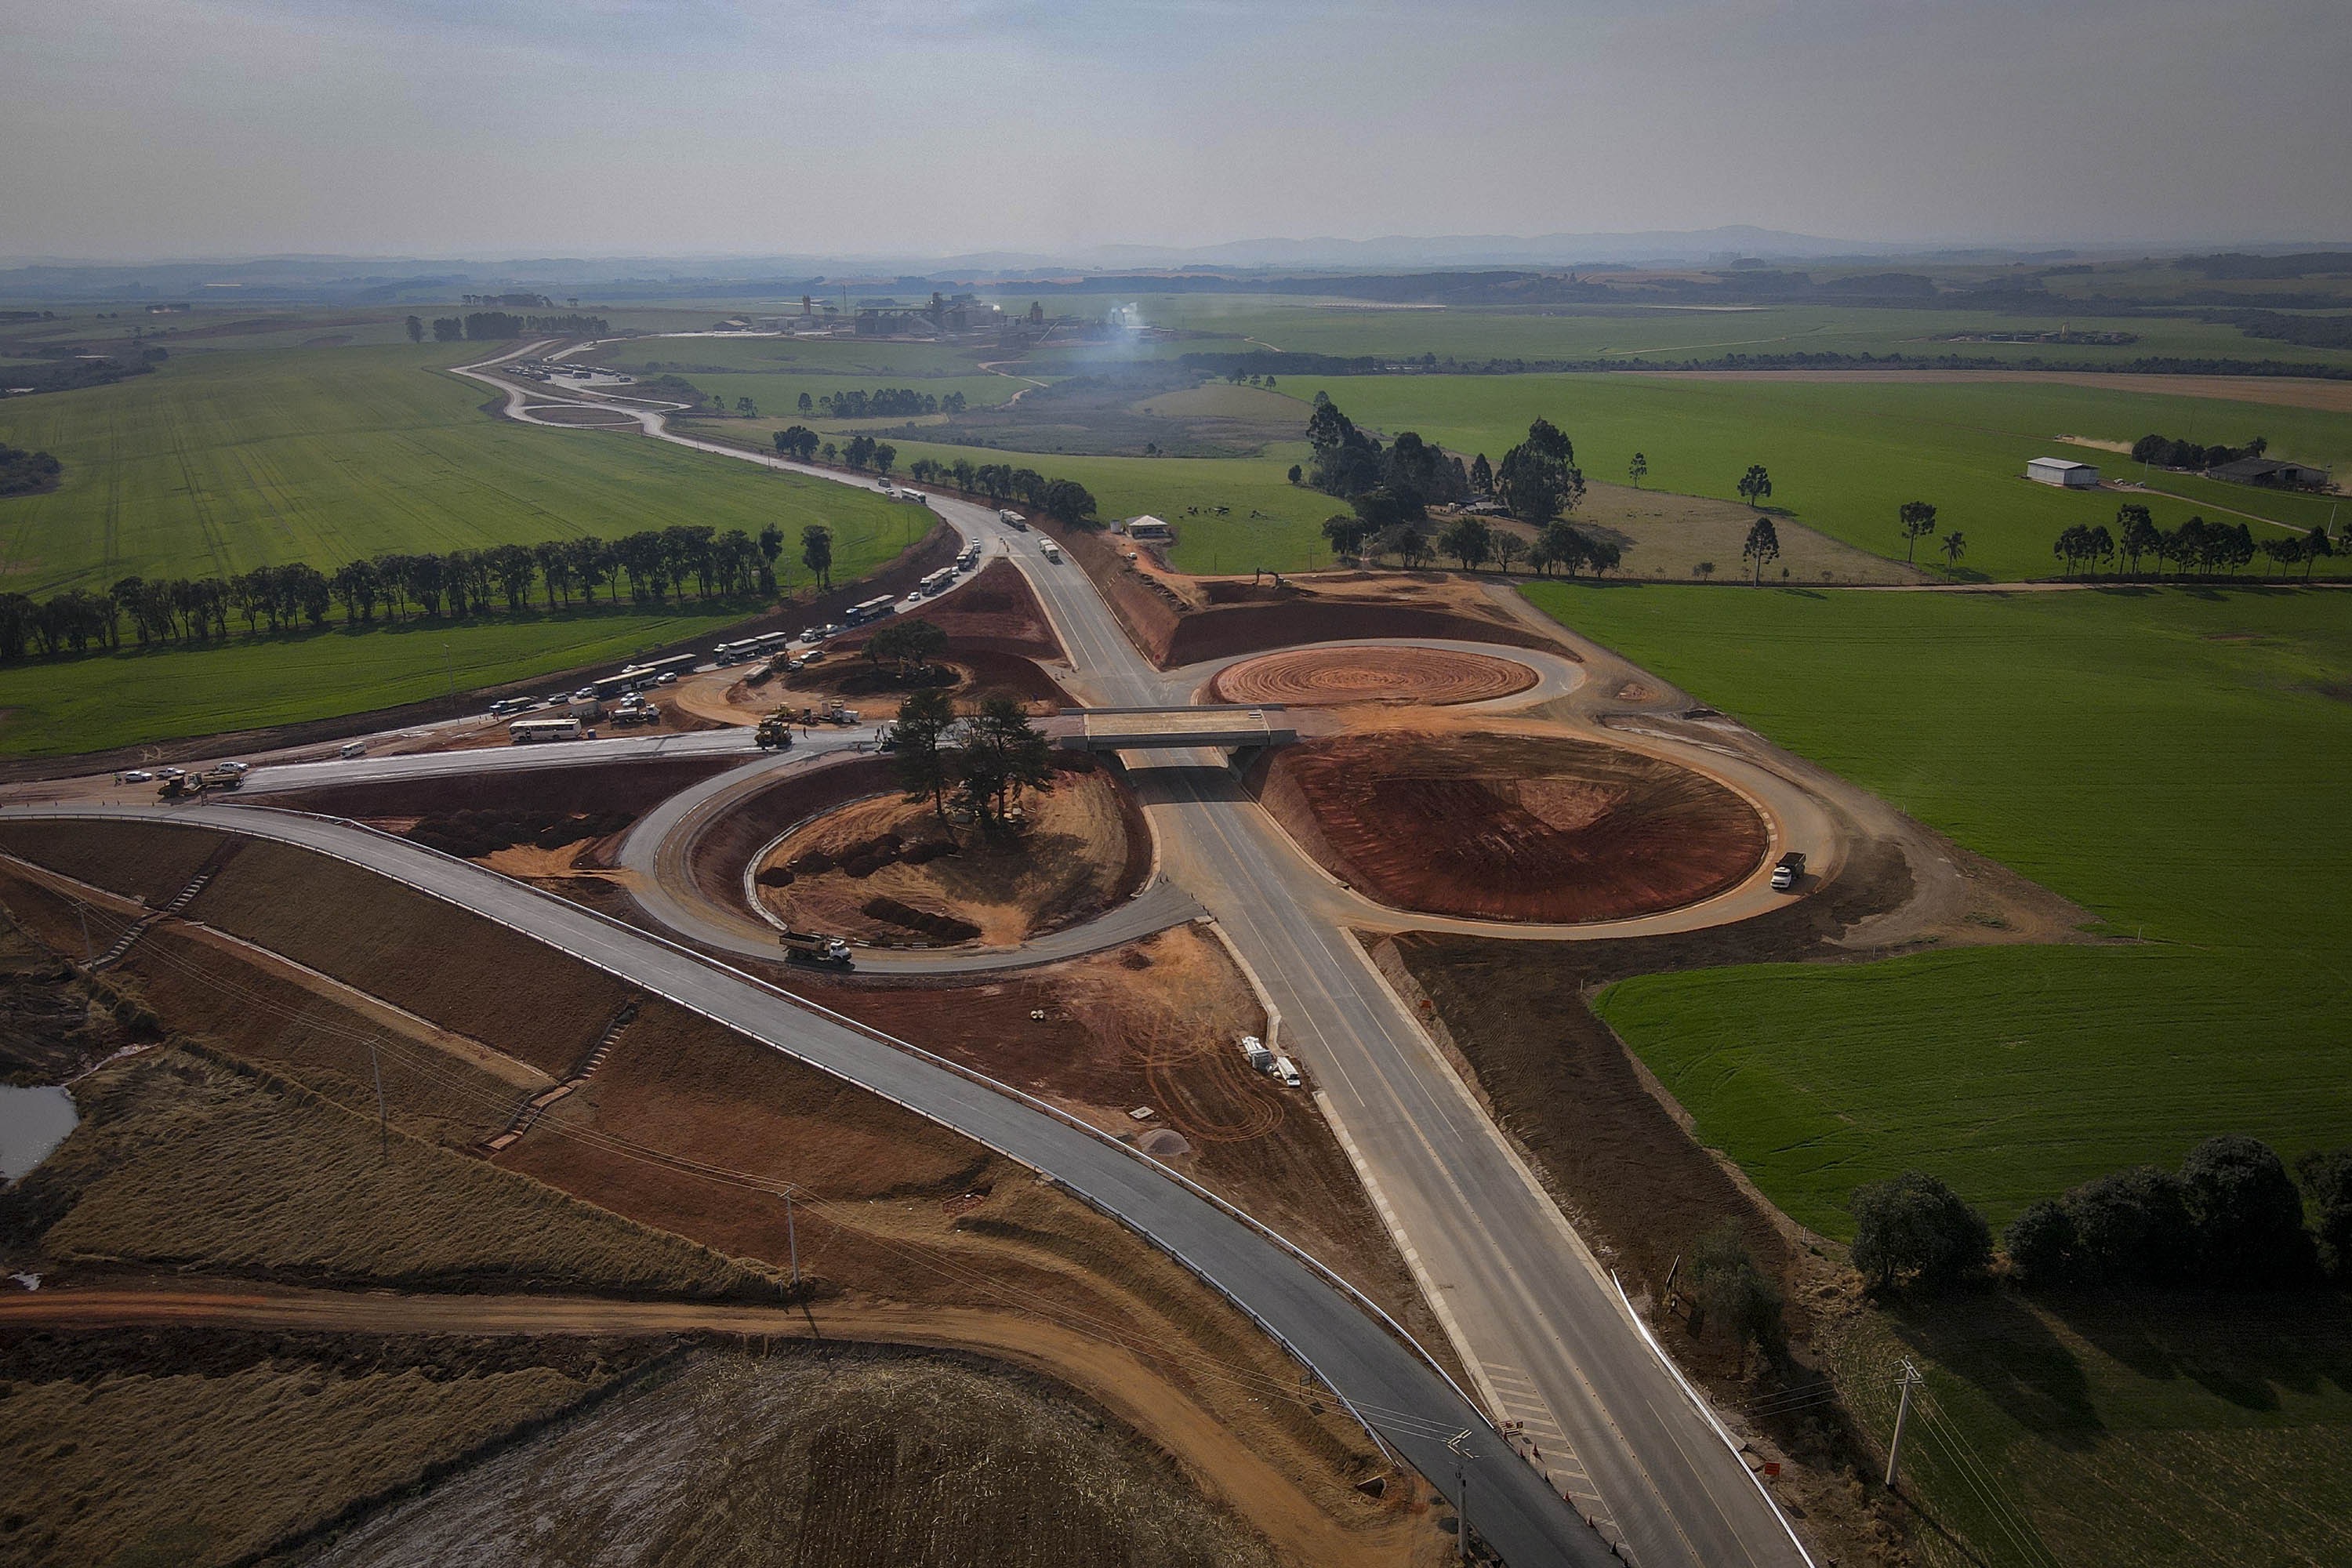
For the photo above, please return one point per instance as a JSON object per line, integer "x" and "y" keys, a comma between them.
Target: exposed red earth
{"x": 1512, "y": 827}
{"x": 1325, "y": 677}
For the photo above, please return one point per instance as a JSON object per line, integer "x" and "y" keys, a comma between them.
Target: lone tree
{"x": 816, "y": 552}
{"x": 1756, "y": 486}
{"x": 1918, "y": 519}
{"x": 1508, "y": 549}
{"x": 1954, "y": 545}
{"x": 910, "y": 645}
{"x": 1482, "y": 475}
{"x": 1914, "y": 1230}
{"x": 2248, "y": 1214}
{"x": 1638, "y": 469}
{"x": 927, "y": 762}
{"x": 415, "y": 329}
{"x": 1763, "y": 546}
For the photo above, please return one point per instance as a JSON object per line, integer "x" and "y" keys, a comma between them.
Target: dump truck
{"x": 775, "y": 732}
{"x": 1787, "y": 870}
{"x": 812, "y": 947}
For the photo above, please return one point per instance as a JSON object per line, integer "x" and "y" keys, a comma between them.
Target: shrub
{"x": 775, "y": 876}
{"x": 2133, "y": 1226}
{"x": 860, "y": 867}
{"x": 924, "y": 851}
{"x": 2247, "y": 1213}
{"x": 816, "y": 862}
{"x": 1730, "y": 1298}
{"x": 2042, "y": 1244}
{"x": 2327, "y": 1177}
{"x": 1915, "y": 1230}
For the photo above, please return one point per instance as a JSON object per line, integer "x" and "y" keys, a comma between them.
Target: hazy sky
{"x": 145, "y": 128}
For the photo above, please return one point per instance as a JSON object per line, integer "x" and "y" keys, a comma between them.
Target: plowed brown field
{"x": 1327, "y": 676}
{"x": 1513, "y": 827}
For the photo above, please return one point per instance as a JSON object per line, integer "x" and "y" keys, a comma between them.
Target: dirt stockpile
{"x": 1512, "y": 827}
{"x": 1326, "y": 677}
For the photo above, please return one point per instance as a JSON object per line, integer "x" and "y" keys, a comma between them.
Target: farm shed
{"x": 2064, "y": 472}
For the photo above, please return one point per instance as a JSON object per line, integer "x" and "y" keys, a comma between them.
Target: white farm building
{"x": 1148, "y": 528}
{"x": 2064, "y": 472}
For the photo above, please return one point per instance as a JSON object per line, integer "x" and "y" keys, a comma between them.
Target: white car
{"x": 234, "y": 768}
{"x": 171, "y": 772}
{"x": 135, "y": 776}
{"x": 669, "y": 678}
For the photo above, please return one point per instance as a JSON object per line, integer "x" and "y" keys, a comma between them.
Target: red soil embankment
{"x": 1512, "y": 827}
{"x": 724, "y": 848}
{"x": 594, "y": 787}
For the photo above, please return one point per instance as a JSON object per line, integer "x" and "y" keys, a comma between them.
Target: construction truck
{"x": 775, "y": 732}
{"x": 811, "y": 947}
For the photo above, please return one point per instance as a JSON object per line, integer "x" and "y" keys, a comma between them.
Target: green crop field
{"x": 1843, "y": 457}
{"x": 231, "y": 458}
{"x": 863, "y": 359}
{"x": 1234, "y": 324}
{"x": 2169, "y": 759}
{"x": 52, "y": 708}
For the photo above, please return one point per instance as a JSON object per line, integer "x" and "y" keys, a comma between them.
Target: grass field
{"x": 2166, "y": 758}
{"x": 2168, "y": 1429}
{"x": 227, "y": 459}
{"x": 133, "y": 697}
{"x": 1661, "y": 334}
{"x": 232, "y": 457}
{"x": 1844, "y": 457}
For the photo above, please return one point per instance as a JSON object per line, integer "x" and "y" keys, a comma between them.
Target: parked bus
{"x": 749, "y": 648}
{"x": 872, "y": 609}
{"x": 523, "y": 732}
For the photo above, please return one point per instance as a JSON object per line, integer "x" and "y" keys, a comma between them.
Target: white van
{"x": 355, "y": 749}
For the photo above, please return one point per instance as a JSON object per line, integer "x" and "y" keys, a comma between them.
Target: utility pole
{"x": 1462, "y": 1458}
{"x": 383, "y": 1120}
{"x": 1909, "y": 1380}
{"x": 792, "y": 1238}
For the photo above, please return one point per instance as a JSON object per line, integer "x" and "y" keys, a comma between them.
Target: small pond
{"x": 32, "y": 1122}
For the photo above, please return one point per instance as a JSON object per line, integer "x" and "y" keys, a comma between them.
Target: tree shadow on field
{"x": 2244, "y": 1347}
{"x": 1992, "y": 1341}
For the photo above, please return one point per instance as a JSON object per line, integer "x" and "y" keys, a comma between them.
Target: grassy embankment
{"x": 2167, "y": 760}
{"x": 228, "y": 458}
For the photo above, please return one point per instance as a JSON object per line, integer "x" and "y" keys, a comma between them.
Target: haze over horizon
{"x": 506, "y": 127}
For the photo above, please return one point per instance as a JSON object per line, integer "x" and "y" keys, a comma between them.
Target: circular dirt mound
{"x": 1323, "y": 677}
{"x": 1514, "y": 827}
